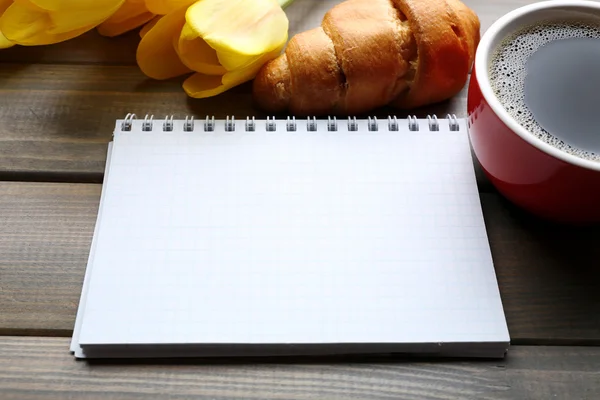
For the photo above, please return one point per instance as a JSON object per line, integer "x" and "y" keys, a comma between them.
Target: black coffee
{"x": 548, "y": 79}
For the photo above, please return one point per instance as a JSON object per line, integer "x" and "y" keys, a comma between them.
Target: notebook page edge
{"x": 505, "y": 334}
{"x": 490, "y": 349}
{"x": 74, "y": 347}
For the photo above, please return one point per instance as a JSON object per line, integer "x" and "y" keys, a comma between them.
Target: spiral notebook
{"x": 289, "y": 237}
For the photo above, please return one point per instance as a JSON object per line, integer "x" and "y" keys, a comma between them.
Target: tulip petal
{"x": 163, "y": 7}
{"x": 149, "y": 25}
{"x": 202, "y": 86}
{"x": 132, "y": 14}
{"x": 196, "y": 54}
{"x": 250, "y": 71}
{"x": 239, "y": 26}
{"x": 68, "y": 20}
{"x": 4, "y": 42}
{"x": 112, "y": 29}
{"x": 20, "y": 24}
{"x": 233, "y": 61}
{"x": 156, "y": 55}
{"x": 4, "y": 4}
{"x": 54, "y": 5}
{"x": 25, "y": 22}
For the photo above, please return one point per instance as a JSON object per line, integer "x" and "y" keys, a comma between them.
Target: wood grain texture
{"x": 548, "y": 275}
{"x": 42, "y": 368}
{"x": 92, "y": 48}
{"x": 548, "y": 280}
{"x": 56, "y": 120}
{"x": 89, "y": 48}
{"x": 45, "y": 235}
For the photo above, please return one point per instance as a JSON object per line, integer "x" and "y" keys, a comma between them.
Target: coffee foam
{"x": 508, "y": 70}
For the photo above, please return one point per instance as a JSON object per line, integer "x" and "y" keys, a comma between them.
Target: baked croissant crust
{"x": 371, "y": 53}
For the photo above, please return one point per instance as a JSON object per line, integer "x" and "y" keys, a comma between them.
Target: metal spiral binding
{"x": 372, "y": 124}
{"x": 271, "y": 124}
{"x": 311, "y": 125}
{"x": 209, "y": 125}
{"x": 127, "y": 122}
{"x": 453, "y": 122}
{"x": 393, "y": 123}
{"x": 250, "y": 124}
{"x": 148, "y": 123}
{"x": 290, "y": 124}
{"x": 188, "y": 124}
{"x": 413, "y": 123}
{"x": 331, "y": 124}
{"x": 168, "y": 124}
{"x": 433, "y": 123}
{"x": 352, "y": 124}
{"x": 230, "y": 124}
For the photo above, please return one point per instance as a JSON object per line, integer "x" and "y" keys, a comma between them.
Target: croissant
{"x": 372, "y": 53}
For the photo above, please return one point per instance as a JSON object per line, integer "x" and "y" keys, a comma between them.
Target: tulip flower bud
{"x": 223, "y": 42}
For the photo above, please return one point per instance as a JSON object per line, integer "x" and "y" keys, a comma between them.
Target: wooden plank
{"x": 45, "y": 235}
{"x": 89, "y": 48}
{"x": 549, "y": 281}
{"x": 548, "y": 275}
{"x": 92, "y": 48}
{"x": 42, "y": 368}
{"x": 56, "y": 120}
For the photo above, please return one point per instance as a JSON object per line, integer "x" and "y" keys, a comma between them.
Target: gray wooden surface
{"x": 36, "y": 368}
{"x": 58, "y": 106}
{"x": 57, "y": 119}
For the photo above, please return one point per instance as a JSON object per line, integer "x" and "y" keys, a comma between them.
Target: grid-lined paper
{"x": 291, "y": 237}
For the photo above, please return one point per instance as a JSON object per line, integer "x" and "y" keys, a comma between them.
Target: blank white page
{"x": 291, "y": 237}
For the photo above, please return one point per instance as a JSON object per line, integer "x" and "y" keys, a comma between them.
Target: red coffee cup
{"x": 532, "y": 174}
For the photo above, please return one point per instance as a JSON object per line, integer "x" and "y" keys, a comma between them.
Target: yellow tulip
{"x": 163, "y": 7}
{"x": 223, "y": 42}
{"x": 4, "y": 42}
{"x": 131, "y": 15}
{"x": 39, "y": 22}
{"x": 149, "y": 25}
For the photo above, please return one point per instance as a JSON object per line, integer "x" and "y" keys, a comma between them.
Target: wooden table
{"x": 58, "y": 105}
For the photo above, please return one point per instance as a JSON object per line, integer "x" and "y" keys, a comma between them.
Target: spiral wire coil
{"x": 291, "y": 124}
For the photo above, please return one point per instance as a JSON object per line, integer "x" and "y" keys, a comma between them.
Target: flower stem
{"x": 285, "y": 3}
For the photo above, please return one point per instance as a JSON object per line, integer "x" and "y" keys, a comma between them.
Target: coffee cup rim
{"x": 482, "y": 57}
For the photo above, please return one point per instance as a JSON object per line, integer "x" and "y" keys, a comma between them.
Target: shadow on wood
{"x": 538, "y": 263}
